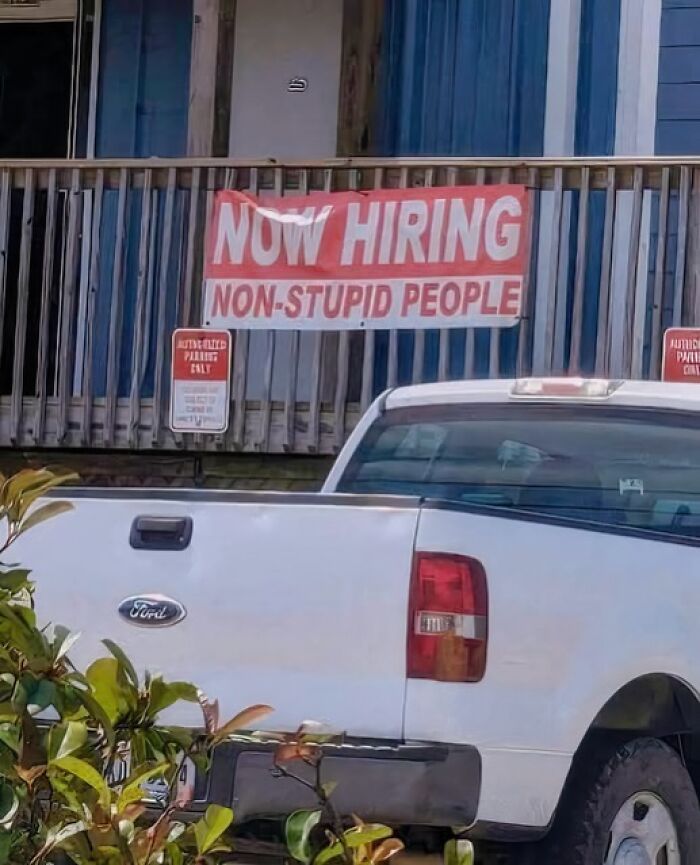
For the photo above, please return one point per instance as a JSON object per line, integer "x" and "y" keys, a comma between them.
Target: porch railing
{"x": 99, "y": 261}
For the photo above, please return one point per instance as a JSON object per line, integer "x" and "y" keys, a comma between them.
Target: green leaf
{"x": 175, "y": 855}
{"x": 211, "y": 827}
{"x": 366, "y": 834}
{"x": 63, "y": 641}
{"x": 9, "y": 736}
{"x": 458, "y": 851}
{"x": 32, "y": 493}
{"x": 87, "y": 773}
{"x": 59, "y": 835}
{"x": 66, "y": 739}
{"x": 133, "y": 789}
{"x": 120, "y": 655}
{"x": 356, "y": 837}
{"x": 96, "y": 713}
{"x": 5, "y": 847}
{"x": 43, "y": 513}
{"x": 14, "y": 580}
{"x": 297, "y": 831}
{"x": 166, "y": 694}
{"x": 9, "y": 804}
{"x": 110, "y": 689}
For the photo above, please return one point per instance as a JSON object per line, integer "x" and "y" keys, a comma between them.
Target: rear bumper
{"x": 393, "y": 783}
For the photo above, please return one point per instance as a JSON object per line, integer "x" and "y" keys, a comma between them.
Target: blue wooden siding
{"x": 464, "y": 77}
{"x": 677, "y": 132}
{"x": 461, "y": 78}
{"x": 596, "y": 110}
{"x": 143, "y": 101}
{"x": 678, "y": 106}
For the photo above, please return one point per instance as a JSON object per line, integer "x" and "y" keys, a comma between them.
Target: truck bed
{"x": 298, "y": 601}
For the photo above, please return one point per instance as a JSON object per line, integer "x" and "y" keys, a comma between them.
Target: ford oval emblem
{"x": 152, "y": 611}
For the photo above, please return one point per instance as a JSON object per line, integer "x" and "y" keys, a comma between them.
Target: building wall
{"x": 678, "y": 126}
{"x": 465, "y": 78}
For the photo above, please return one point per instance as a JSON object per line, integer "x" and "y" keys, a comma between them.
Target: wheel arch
{"x": 656, "y": 704}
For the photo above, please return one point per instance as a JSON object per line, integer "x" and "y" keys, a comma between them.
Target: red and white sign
{"x": 681, "y": 360}
{"x": 408, "y": 258}
{"x": 200, "y": 391}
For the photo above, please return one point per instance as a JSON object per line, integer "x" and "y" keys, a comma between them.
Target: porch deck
{"x": 100, "y": 260}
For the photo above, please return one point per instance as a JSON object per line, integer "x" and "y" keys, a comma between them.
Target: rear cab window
{"x": 628, "y": 469}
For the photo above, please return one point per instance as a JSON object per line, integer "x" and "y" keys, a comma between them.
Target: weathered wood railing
{"x": 100, "y": 260}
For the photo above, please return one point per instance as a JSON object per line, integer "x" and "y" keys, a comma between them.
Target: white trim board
{"x": 635, "y": 131}
{"x": 559, "y": 139}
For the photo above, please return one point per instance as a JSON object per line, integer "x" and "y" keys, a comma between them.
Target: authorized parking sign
{"x": 200, "y": 385}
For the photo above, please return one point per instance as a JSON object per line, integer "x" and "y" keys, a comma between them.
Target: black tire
{"x": 599, "y": 789}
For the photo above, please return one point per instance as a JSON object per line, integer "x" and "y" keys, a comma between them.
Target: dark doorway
{"x": 36, "y": 70}
{"x": 35, "y": 89}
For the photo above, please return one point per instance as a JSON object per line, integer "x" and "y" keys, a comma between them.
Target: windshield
{"x": 639, "y": 469}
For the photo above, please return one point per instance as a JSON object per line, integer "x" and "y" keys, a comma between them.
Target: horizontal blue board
{"x": 681, "y": 4}
{"x": 680, "y": 26}
{"x": 678, "y": 137}
{"x": 679, "y": 101}
{"x": 680, "y": 64}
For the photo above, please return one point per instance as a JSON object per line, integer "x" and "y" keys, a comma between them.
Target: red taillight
{"x": 447, "y": 627}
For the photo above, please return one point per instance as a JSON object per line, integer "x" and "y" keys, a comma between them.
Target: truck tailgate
{"x": 299, "y": 602}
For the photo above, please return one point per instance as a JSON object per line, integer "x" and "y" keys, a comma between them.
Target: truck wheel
{"x": 639, "y": 808}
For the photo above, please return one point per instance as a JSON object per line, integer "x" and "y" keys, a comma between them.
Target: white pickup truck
{"x": 496, "y": 596}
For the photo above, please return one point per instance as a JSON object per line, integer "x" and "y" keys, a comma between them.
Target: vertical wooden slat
{"x": 93, "y": 284}
{"x": 66, "y": 354}
{"x": 45, "y": 311}
{"x": 580, "y": 275}
{"x": 496, "y": 332}
{"x": 632, "y": 269}
{"x": 290, "y": 398}
{"x": 470, "y": 336}
{"x": 240, "y": 360}
{"x": 691, "y": 290}
{"x": 5, "y": 181}
{"x": 266, "y": 401}
{"x": 314, "y": 434}
{"x": 525, "y": 333}
{"x": 343, "y": 368}
{"x": 162, "y": 336}
{"x": 602, "y": 352}
{"x": 681, "y": 249}
{"x": 660, "y": 274}
{"x": 271, "y": 350}
{"x": 444, "y": 338}
{"x": 19, "y": 358}
{"x": 197, "y": 309}
{"x": 116, "y": 311}
{"x": 240, "y": 374}
{"x": 188, "y": 285}
{"x": 139, "y": 336}
{"x": 370, "y": 335}
{"x": 551, "y": 309}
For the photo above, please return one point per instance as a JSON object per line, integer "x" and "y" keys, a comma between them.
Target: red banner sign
{"x": 409, "y": 258}
{"x": 681, "y": 359}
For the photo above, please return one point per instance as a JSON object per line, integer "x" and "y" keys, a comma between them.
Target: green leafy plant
{"x": 89, "y": 775}
{"x": 321, "y": 837}
{"x": 77, "y": 750}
